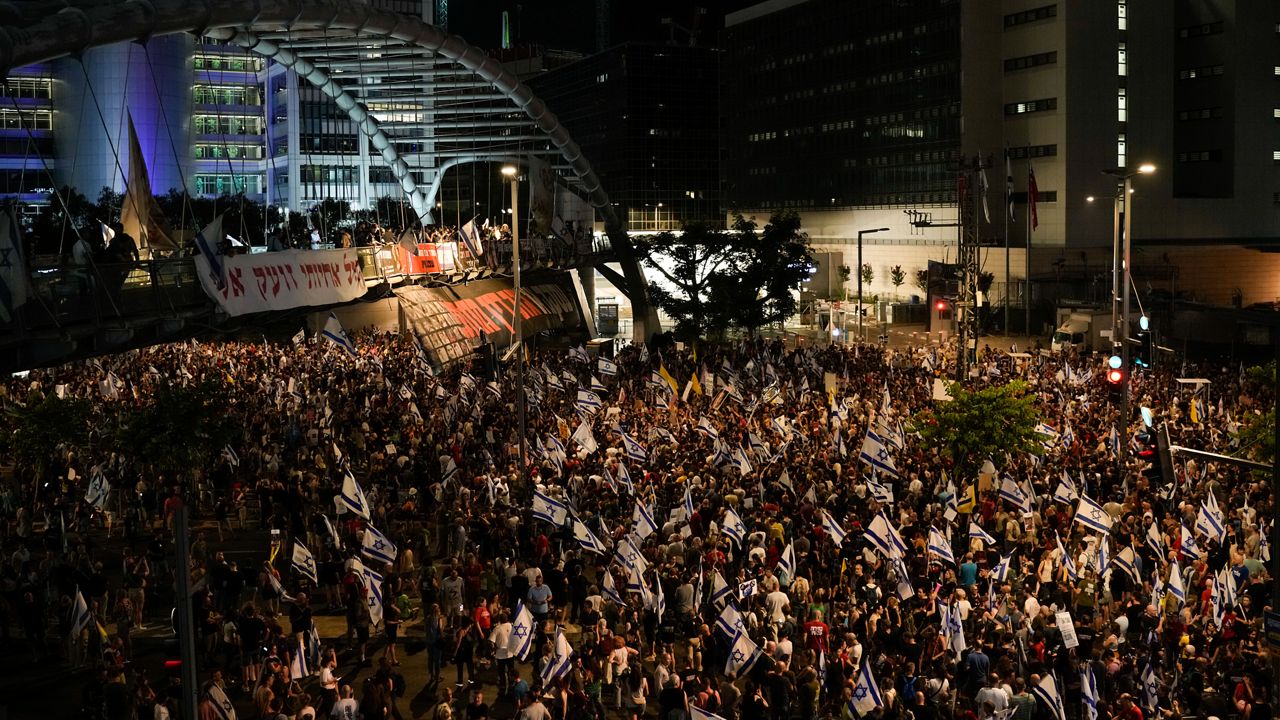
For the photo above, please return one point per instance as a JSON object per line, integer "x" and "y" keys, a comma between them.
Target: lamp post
{"x": 861, "y": 337}
{"x": 1120, "y": 283}
{"x": 512, "y": 172}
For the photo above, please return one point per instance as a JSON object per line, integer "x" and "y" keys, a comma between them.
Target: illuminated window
{"x": 1121, "y": 104}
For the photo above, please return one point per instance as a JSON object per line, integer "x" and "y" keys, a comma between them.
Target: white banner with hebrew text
{"x": 282, "y": 280}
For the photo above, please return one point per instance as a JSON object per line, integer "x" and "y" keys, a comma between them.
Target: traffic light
{"x": 1142, "y": 349}
{"x": 1153, "y": 449}
{"x": 1115, "y": 378}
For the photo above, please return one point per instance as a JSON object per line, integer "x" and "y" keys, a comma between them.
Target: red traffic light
{"x": 1115, "y": 376}
{"x": 940, "y": 305}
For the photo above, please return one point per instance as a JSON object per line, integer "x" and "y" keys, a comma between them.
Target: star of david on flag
{"x": 377, "y": 546}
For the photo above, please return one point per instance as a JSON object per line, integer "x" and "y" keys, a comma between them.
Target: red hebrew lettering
{"x": 261, "y": 275}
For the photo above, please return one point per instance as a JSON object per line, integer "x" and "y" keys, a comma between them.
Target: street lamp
{"x": 861, "y": 337}
{"x": 510, "y": 171}
{"x": 1121, "y": 282}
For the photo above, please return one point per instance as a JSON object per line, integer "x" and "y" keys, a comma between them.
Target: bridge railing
{"x": 65, "y": 295}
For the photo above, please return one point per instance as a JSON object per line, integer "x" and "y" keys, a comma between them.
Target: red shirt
{"x": 815, "y": 635}
{"x": 482, "y": 618}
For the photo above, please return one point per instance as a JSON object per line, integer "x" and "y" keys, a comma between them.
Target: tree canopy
{"x": 744, "y": 277}
{"x": 976, "y": 425}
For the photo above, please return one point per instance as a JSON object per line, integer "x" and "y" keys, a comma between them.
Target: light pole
{"x": 512, "y": 172}
{"x": 861, "y": 337}
{"x": 1121, "y": 282}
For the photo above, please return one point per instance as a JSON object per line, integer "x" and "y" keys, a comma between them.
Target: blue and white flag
{"x": 625, "y": 476}
{"x": 705, "y": 427}
{"x": 697, "y": 713}
{"x": 1068, "y": 437}
{"x": 885, "y": 536}
{"x": 1150, "y": 689}
{"x": 742, "y": 656}
{"x": 333, "y": 533}
{"x": 580, "y": 354}
{"x": 609, "y": 591}
{"x": 635, "y": 451}
{"x": 470, "y": 235}
{"x": 1047, "y": 692}
{"x": 866, "y": 694}
{"x": 1155, "y": 540}
{"x": 586, "y": 538}
{"x": 222, "y": 705}
{"x": 881, "y": 493}
{"x": 1065, "y": 492}
{"x": 1175, "y": 584}
{"x": 1089, "y": 690}
{"x": 939, "y": 546}
{"x": 1001, "y": 571}
{"x": 832, "y": 528}
{"x": 80, "y": 615}
{"x": 588, "y": 403}
{"x": 521, "y": 637}
{"x": 1127, "y": 562}
{"x": 585, "y": 438}
{"x": 733, "y": 527}
{"x": 642, "y": 519}
{"x": 629, "y": 554}
{"x": 687, "y": 504}
{"x": 373, "y": 585}
{"x": 352, "y": 497}
{"x": 977, "y": 533}
{"x": 606, "y": 366}
{"x": 1209, "y": 520}
{"x": 597, "y": 386}
{"x": 561, "y": 659}
{"x": 787, "y": 564}
{"x": 741, "y": 462}
{"x": 334, "y": 333}
{"x": 719, "y": 588}
{"x": 98, "y": 490}
{"x": 1188, "y": 545}
{"x": 876, "y": 454}
{"x": 304, "y": 562}
{"x": 1011, "y": 491}
{"x": 378, "y": 546}
{"x": 549, "y": 510}
{"x": 1091, "y": 515}
{"x": 1067, "y": 561}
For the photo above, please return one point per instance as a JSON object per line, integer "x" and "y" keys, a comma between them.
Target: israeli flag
{"x": 1067, "y": 561}
{"x": 584, "y": 437}
{"x": 1091, "y": 515}
{"x": 1155, "y": 540}
{"x": 597, "y": 386}
{"x": 787, "y": 564}
{"x": 1047, "y": 692}
{"x": 221, "y": 703}
{"x": 630, "y": 556}
{"x": 719, "y": 588}
{"x": 688, "y": 504}
{"x": 80, "y": 615}
{"x": 98, "y": 490}
{"x": 588, "y": 402}
{"x": 741, "y": 462}
{"x": 1001, "y": 571}
{"x": 377, "y": 546}
{"x": 866, "y": 694}
{"x": 373, "y": 584}
{"x": 885, "y": 536}
{"x": 733, "y": 527}
{"x": 832, "y": 528}
{"x": 230, "y": 454}
{"x": 1209, "y": 521}
{"x": 977, "y": 533}
{"x": 705, "y": 427}
{"x": 521, "y": 637}
{"x": 1150, "y": 688}
{"x": 561, "y": 658}
{"x": 644, "y": 526}
{"x": 1175, "y": 584}
{"x": 1188, "y": 545}
{"x": 742, "y": 656}
{"x": 876, "y": 454}
{"x": 1065, "y": 492}
{"x": 1128, "y": 563}
{"x": 939, "y": 546}
{"x": 333, "y": 533}
{"x": 304, "y": 562}
{"x": 353, "y": 497}
{"x": 334, "y": 333}
{"x": 1010, "y": 490}
{"x": 549, "y": 510}
{"x": 625, "y": 476}
{"x": 1089, "y": 689}
{"x": 879, "y": 492}
{"x": 610, "y": 591}
{"x": 606, "y": 366}
{"x": 635, "y": 451}
{"x": 586, "y": 538}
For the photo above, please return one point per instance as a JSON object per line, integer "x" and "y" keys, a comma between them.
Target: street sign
{"x": 1273, "y": 630}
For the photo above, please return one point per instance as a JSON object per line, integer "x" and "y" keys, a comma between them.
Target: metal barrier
{"x": 101, "y": 293}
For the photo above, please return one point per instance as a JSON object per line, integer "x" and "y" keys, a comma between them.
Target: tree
{"x": 182, "y": 428}
{"x": 758, "y": 285}
{"x": 1258, "y": 431}
{"x": 840, "y": 293}
{"x": 922, "y": 280}
{"x": 897, "y": 276}
{"x": 980, "y": 424}
{"x": 39, "y": 429}
{"x": 868, "y": 274}
{"x": 686, "y": 263}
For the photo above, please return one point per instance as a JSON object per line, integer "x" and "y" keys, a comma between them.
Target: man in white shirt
{"x": 536, "y": 711}
{"x": 346, "y": 708}
{"x": 499, "y": 637}
{"x": 777, "y": 602}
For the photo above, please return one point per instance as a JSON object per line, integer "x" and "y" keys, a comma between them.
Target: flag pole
{"x": 1008, "y": 207}
{"x": 1026, "y": 294}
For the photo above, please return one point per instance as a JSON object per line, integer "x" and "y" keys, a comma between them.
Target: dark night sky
{"x": 570, "y": 24}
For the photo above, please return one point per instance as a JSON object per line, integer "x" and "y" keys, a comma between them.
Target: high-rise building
{"x": 646, "y": 115}
{"x": 858, "y": 112}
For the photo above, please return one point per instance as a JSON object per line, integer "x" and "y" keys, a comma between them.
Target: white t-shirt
{"x": 776, "y": 601}
{"x": 346, "y": 709}
{"x": 500, "y": 636}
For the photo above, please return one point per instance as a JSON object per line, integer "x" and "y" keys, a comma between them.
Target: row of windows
{"x": 225, "y": 150}
{"x": 1212, "y": 28}
{"x": 29, "y": 88}
{"x": 1030, "y": 16}
{"x": 23, "y": 146}
{"x": 1030, "y": 61}
{"x": 323, "y": 143}
{"x": 1201, "y": 113}
{"x": 227, "y": 124}
{"x": 327, "y": 174}
{"x": 227, "y": 94}
{"x": 1200, "y": 156}
{"x": 26, "y": 119}
{"x": 234, "y": 63}
{"x": 228, "y": 184}
{"x": 1031, "y": 106}
{"x": 917, "y": 73}
{"x": 1200, "y": 72}
{"x": 1033, "y": 151}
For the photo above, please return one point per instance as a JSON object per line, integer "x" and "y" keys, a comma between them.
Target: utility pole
{"x": 186, "y": 619}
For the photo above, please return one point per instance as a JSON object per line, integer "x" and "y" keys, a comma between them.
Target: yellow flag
{"x": 693, "y": 383}
{"x": 1195, "y": 410}
{"x": 662, "y": 371}
{"x": 967, "y": 501}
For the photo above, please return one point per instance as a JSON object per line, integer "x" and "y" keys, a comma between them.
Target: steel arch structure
{"x": 28, "y": 36}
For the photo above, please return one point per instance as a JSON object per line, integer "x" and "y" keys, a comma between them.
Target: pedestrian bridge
{"x": 84, "y": 311}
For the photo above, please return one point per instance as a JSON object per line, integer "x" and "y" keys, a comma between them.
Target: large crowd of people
{"x": 697, "y": 533}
